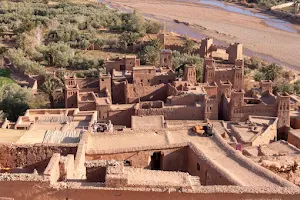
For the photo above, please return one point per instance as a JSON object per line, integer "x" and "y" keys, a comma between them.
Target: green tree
{"x": 18, "y": 58}
{"x": 99, "y": 43}
{"x": 188, "y": 45}
{"x": 3, "y": 50}
{"x": 283, "y": 87}
{"x": 152, "y": 55}
{"x": 181, "y": 60}
{"x": 133, "y": 22}
{"x": 128, "y": 38}
{"x": 58, "y": 54}
{"x": 14, "y": 100}
{"x": 50, "y": 87}
{"x": 258, "y": 76}
{"x": 272, "y": 72}
{"x": 153, "y": 27}
{"x": 297, "y": 87}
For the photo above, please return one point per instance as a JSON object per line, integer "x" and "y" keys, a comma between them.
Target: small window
{"x": 148, "y": 81}
{"x": 198, "y": 166}
{"x": 102, "y": 79}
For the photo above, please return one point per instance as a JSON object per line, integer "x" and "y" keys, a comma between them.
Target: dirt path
{"x": 224, "y": 25}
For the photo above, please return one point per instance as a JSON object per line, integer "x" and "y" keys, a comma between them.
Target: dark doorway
{"x": 122, "y": 67}
{"x": 156, "y": 161}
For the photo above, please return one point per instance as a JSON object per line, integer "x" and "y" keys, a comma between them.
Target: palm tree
{"x": 49, "y": 87}
{"x": 272, "y": 72}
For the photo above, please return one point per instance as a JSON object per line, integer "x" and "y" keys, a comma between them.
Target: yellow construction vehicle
{"x": 205, "y": 130}
{"x": 198, "y": 129}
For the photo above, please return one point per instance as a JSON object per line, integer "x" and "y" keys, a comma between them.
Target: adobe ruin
{"x": 189, "y": 165}
{"x": 129, "y": 134}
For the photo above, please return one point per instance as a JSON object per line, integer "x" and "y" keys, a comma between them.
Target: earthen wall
{"x": 188, "y": 99}
{"x": 95, "y": 174}
{"x": 268, "y": 136}
{"x": 172, "y": 159}
{"x": 118, "y": 92}
{"x": 199, "y": 166}
{"x": 175, "y": 113}
{"x": 145, "y": 93}
{"x": 121, "y": 117}
{"x": 31, "y": 157}
{"x": 295, "y": 122}
{"x": 294, "y": 138}
{"x": 85, "y": 106}
{"x": 24, "y": 190}
{"x": 242, "y": 113}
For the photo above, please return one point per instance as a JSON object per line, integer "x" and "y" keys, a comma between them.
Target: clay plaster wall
{"x": 188, "y": 99}
{"x": 211, "y": 90}
{"x": 79, "y": 167}
{"x": 24, "y": 190}
{"x": 269, "y": 135}
{"x": 85, "y": 106}
{"x": 294, "y": 138}
{"x": 52, "y": 171}
{"x": 68, "y": 167}
{"x": 171, "y": 90}
{"x": 118, "y": 92}
{"x": 211, "y": 109}
{"x": 165, "y": 78}
{"x": 242, "y": 113}
{"x": 175, "y": 113}
{"x": 295, "y": 122}
{"x": 173, "y": 159}
{"x": 31, "y": 157}
{"x": 95, "y": 174}
{"x": 247, "y": 163}
{"x": 200, "y": 166}
{"x": 224, "y": 75}
{"x": 121, "y": 117}
{"x": 145, "y": 93}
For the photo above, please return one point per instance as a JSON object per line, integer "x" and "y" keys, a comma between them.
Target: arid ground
{"x": 223, "y": 25}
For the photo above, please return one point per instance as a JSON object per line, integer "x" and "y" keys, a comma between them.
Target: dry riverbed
{"x": 223, "y": 25}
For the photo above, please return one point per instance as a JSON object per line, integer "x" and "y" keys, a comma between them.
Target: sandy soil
{"x": 225, "y": 26}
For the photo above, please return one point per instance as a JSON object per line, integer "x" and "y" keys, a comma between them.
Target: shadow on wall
{"x": 182, "y": 159}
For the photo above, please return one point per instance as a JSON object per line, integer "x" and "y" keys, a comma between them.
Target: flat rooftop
{"x": 102, "y": 101}
{"x": 143, "y": 67}
{"x": 213, "y": 148}
{"x": 48, "y": 126}
{"x": 121, "y": 106}
{"x": 152, "y": 178}
{"x": 10, "y": 136}
{"x": 121, "y": 74}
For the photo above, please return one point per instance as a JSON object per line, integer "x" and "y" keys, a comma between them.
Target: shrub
{"x": 153, "y": 27}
